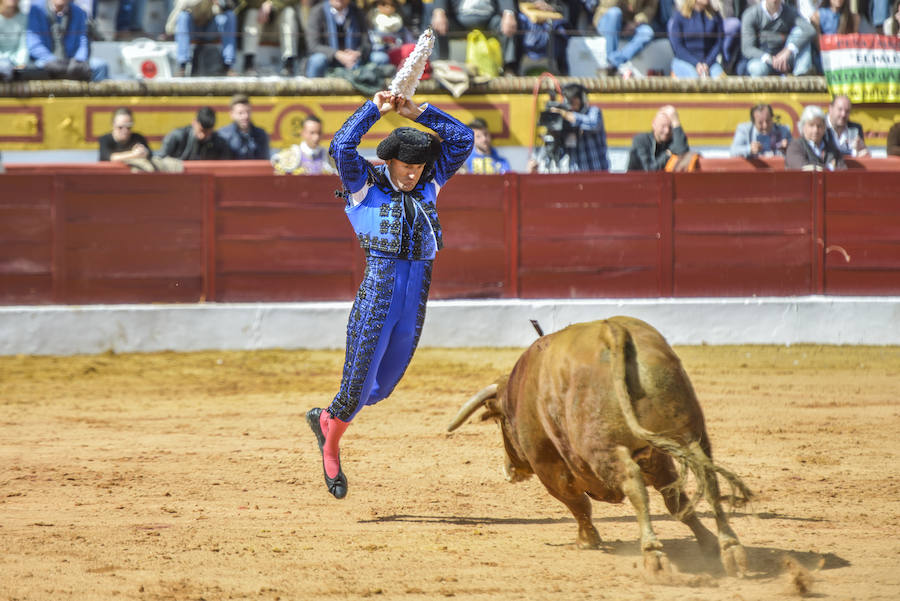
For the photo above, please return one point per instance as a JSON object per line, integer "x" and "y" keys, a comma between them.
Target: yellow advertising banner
{"x": 709, "y": 119}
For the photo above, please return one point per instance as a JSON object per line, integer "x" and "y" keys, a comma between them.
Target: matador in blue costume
{"x": 393, "y": 210}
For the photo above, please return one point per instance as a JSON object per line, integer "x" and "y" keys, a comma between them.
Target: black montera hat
{"x": 409, "y": 145}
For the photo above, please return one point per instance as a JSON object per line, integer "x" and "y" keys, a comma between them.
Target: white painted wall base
{"x": 68, "y": 330}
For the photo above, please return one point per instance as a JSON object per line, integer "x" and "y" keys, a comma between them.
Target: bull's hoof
{"x": 734, "y": 560}
{"x": 588, "y": 538}
{"x": 656, "y": 563}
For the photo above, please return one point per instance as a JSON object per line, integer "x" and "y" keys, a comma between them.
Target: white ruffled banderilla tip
{"x": 408, "y": 75}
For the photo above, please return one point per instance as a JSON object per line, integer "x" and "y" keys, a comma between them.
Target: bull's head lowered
{"x": 515, "y": 468}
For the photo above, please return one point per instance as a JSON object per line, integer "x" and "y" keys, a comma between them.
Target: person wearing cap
{"x": 392, "y": 208}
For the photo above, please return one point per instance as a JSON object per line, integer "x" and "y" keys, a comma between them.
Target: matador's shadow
{"x": 765, "y": 562}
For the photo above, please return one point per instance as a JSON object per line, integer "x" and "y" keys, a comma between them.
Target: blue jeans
{"x": 685, "y": 70}
{"x": 879, "y": 11}
{"x": 609, "y": 26}
{"x": 131, "y": 15}
{"x": 224, "y": 24}
{"x": 99, "y": 69}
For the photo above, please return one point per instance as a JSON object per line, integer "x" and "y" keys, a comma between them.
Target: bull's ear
{"x": 489, "y": 413}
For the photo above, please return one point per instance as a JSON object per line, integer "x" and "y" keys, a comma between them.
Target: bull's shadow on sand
{"x": 765, "y": 562}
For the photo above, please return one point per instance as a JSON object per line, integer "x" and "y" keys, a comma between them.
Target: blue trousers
{"x": 382, "y": 332}
{"x": 225, "y": 24}
{"x": 610, "y": 26}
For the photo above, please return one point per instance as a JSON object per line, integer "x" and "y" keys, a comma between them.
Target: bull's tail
{"x": 691, "y": 457}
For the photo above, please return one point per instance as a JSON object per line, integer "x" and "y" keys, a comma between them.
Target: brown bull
{"x": 600, "y": 410}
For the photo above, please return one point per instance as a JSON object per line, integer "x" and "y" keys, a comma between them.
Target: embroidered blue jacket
{"x": 386, "y": 221}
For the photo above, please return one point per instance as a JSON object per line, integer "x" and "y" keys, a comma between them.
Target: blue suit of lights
{"x": 400, "y": 233}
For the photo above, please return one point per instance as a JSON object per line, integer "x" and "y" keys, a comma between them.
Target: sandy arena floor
{"x": 194, "y": 476}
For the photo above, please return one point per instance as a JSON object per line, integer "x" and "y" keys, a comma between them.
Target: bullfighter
{"x": 392, "y": 208}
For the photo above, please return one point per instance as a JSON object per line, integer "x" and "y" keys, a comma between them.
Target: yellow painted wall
{"x": 709, "y": 119}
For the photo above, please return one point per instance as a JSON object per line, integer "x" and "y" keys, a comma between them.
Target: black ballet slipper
{"x": 337, "y": 486}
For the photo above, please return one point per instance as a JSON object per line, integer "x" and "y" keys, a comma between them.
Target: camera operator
{"x": 575, "y": 139}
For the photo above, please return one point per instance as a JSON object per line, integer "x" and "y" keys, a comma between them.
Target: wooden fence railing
{"x": 82, "y": 235}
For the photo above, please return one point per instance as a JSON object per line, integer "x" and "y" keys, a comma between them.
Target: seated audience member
{"x": 834, "y": 16}
{"x": 387, "y": 31}
{"x": 893, "y": 140}
{"x": 695, "y": 32}
{"x": 628, "y": 19}
{"x": 813, "y": 150}
{"x": 245, "y": 140}
{"x": 484, "y": 160}
{"x": 307, "y": 157}
{"x": 196, "y": 142}
{"x": 892, "y": 25}
{"x": 544, "y": 38}
{"x": 847, "y": 135}
{"x": 760, "y": 136}
{"x": 776, "y": 40}
{"x": 123, "y": 143}
{"x": 652, "y": 151}
{"x": 260, "y": 16}
{"x": 13, "y": 51}
{"x": 202, "y": 21}
{"x": 57, "y": 39}
{"x": 336, "y": 36}
{"x": 489, "y": 16}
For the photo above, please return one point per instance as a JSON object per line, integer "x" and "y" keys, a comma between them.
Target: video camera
{"x": 554, "y": 122}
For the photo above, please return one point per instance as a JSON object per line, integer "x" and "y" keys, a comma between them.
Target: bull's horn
{"x": 472, "y": 405}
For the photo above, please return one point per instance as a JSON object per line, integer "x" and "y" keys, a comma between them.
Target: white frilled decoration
{"x": 410, "y": 72}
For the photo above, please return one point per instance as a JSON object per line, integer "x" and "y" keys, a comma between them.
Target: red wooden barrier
{"x": 743, "y": 235}
{"x": 108, "y": 236}
{"x": 861, "y": 242}
{"x": 26, "y": 239}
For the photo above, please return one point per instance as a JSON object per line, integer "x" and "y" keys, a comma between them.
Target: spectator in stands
{"x": 652, "y": 151}
{"x": 198, "y": 141}
{"x": 892, "y": 25}
{"x": 760, "y": 136}
{"x": 847, "y": 135}
{"x": 629, "y": 19}
{"x": 387, "y": 31}
{"x": 776, "y": 40}
{"x": 197, "y": 21}
{"x": 57, "y": 39}
{"x": 261, "y": 15}
{"x": 484, "y": 160}
{"x": 834, "y": 16}
{"x": 578, "y": 141}
{"x": 13, "y": 51}
{"x": 489, "y": 16}
{"x": 245, "y": 140}
{"x": 307, "y": 157}
{"x": 893, "y": 140}
{"x": 336, "y": 36}
{"x": 123, "y": 143}
{"x": 543, "y": 36}
{"x": 813, "y": 150}
{"x": 695, "y": 32}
